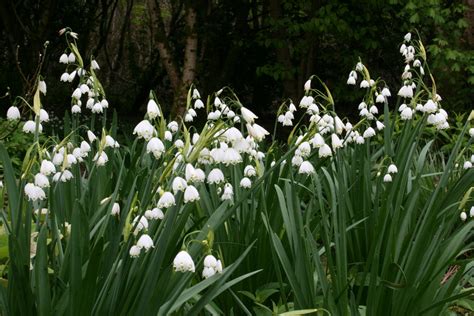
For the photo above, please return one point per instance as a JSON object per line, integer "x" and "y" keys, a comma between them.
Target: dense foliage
{"x": 367, "y": 218}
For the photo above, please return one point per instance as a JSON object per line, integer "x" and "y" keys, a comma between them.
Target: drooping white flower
{"x": 386, "y": 92}
{"x": 41, "y": 180}
{"x": 145, "y": 242}
{"x": 248, "y": 115}
{"x": 471, "y": 132}
{"x": 307, "y": 85}
{"x": 215, "y": 176}
{"x": 30, "y": 127}
{"x": 145, "y": 130}
{"x": 13, "y": 113}
{"x": 63, "y": 59}
{"x": 406, "y": 114}
{"x": 306, "y": 168}
{"x": 173, "y": 126}
{"x": 336, "y": 142}
{"x": 166, "y": 200}
{"x": 471, "y": 212}
{"x": 156, "y": 147}
{"x": 63, "y": 176}
{"x": 249, "y": 171}
{"x": 115, "y": 209}
{"x": 94, "y": 65}
{"x": 369, "y": 132}
{"x": 380, "y": 126}
{"x": 245, "y": 183}
{"x": 380, "y": 98}
{"x": 256, "y": 131}
{"x": 296, "y": 161}
{"x": 198, "y": 104}
{"x": 406, "y": 91}
{"x": 306, "y": 101}
{"x": 71, "y": 58}
{"x": 324, "y": 151}
{"x": 232, "y": 135}
{"x": 34, "y": 192}
{"x": 183, "y": 262}
{"x": 364, "y": 84}
{"x": 392, "y": 168}
{"x": 430, "y": 107}
{"x": 179, "y": 184}
{"x": 191, "y": 194}
{"x": 154, "y": 213}
{"x": 101, "y": 158}
{"x": 134, "y": 251}
{"x": 47, "y": 167}
{"x": 407, "y": 37}
{"x": 75, "y": 109}
{"x": 467, "y": 165}
{"x": 111, "y": 142}
{"x": 228, "y": 192}
{"x": 71, "y": 76}
{"x": 387, "y": 178}
{"x": 140, "y": 223}
{"x": 463, "y": 216}
{"x": 317, "y": 141}
{"x": 153, "y": 110}
{"x": 351, "y": 81}
{"x": 97, "y": 108}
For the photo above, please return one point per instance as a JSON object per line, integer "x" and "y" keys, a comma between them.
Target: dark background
{"x": 264, "y": 49}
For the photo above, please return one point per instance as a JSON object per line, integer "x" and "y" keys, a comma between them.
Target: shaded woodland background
{"x": 264, "y": 49}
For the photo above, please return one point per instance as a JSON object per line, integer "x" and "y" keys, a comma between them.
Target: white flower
{"x": 467, "y": 165}
{"x": 191, "y": 194}
{"x": 306, "y": 168}
{"x": 42, "y": 87}
{"x": 166, "y": 200}
{"x": 351, "y": 81}
{"x": 386, "y": 92}
{"x": 380, "y": 98}
{"x": 256, "y": 131}
{"x": 228, "y": 192}
{"x": 407, "y": 37}
{"x": 145, "y": 242}
{"x": 140, "y": 223}
{"x": 178, "y": 184}
{"x": 364, "y": 84}
{"x": 471, "y": 132}
{"x": 145, "y": 130}
{"x": 30, "y": 127}
{"x": 47, "y": 167}
{"x": 359, "y": 139}
{"x": 198, "y": 104}
{"x": 307, "y": 85}
{"x": 155, "y": 146}
{"x": 134, "y": 251}
{"x": 248, "y": 115}
{"x": 152, "y": 109}
{"x": 215, "y": 176}
{"x": 296, "y": 161}
{"x": 463, "y": 216}
{"x": 406, "y": 91}
{"x": 44, "y": 116}
{"x": 208, "y": 272}
{"x": 173, "y": 126}
{"x": 304, "y": 149}
{"x": 94, "y": 65}
{"x": 71, "y": 58}
{"x": 77, "y": 94}
{"x": 387, "y": 178}
{"x": 231, "y": 157}
{"x": 392, "y": 168}
{"x": 101, "y": 158}
{"x": 97, "y": 108}
{"x": 379, "y": 125}
{"x": 471, "y": 212}
{"x": 41, "y": 180}
{"x": 317, "y": 141}
{"x": 111, "y": 142}
{"x": 75, "y": 109}
{"x": 13, "y": 113}
{"x": 183, "y": 262}
{"x": 249, "y": 171}
{"x": 188, "y": 117}
{"x": 430, "y": 107}
{"x": 196, "y": 94}
{"x": 63, "y": 176}
{"x": 369, "y": 132}
{"x": 406, "y": 114}
{"x": 63, "y": 59}
{"x": 232, "y": 135}
{"x": 336, "y": 142}
{"x": 115, "y": 209}
{"x": 306, "y": 101}
{"x": 155, "y": 213}
{"x": 104, "y": 103}
{"x": 245, "y": 183}
{"x": 168, "y": 136}
{"x": 34, "y": 192}
{"x": 324, "y": 151}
